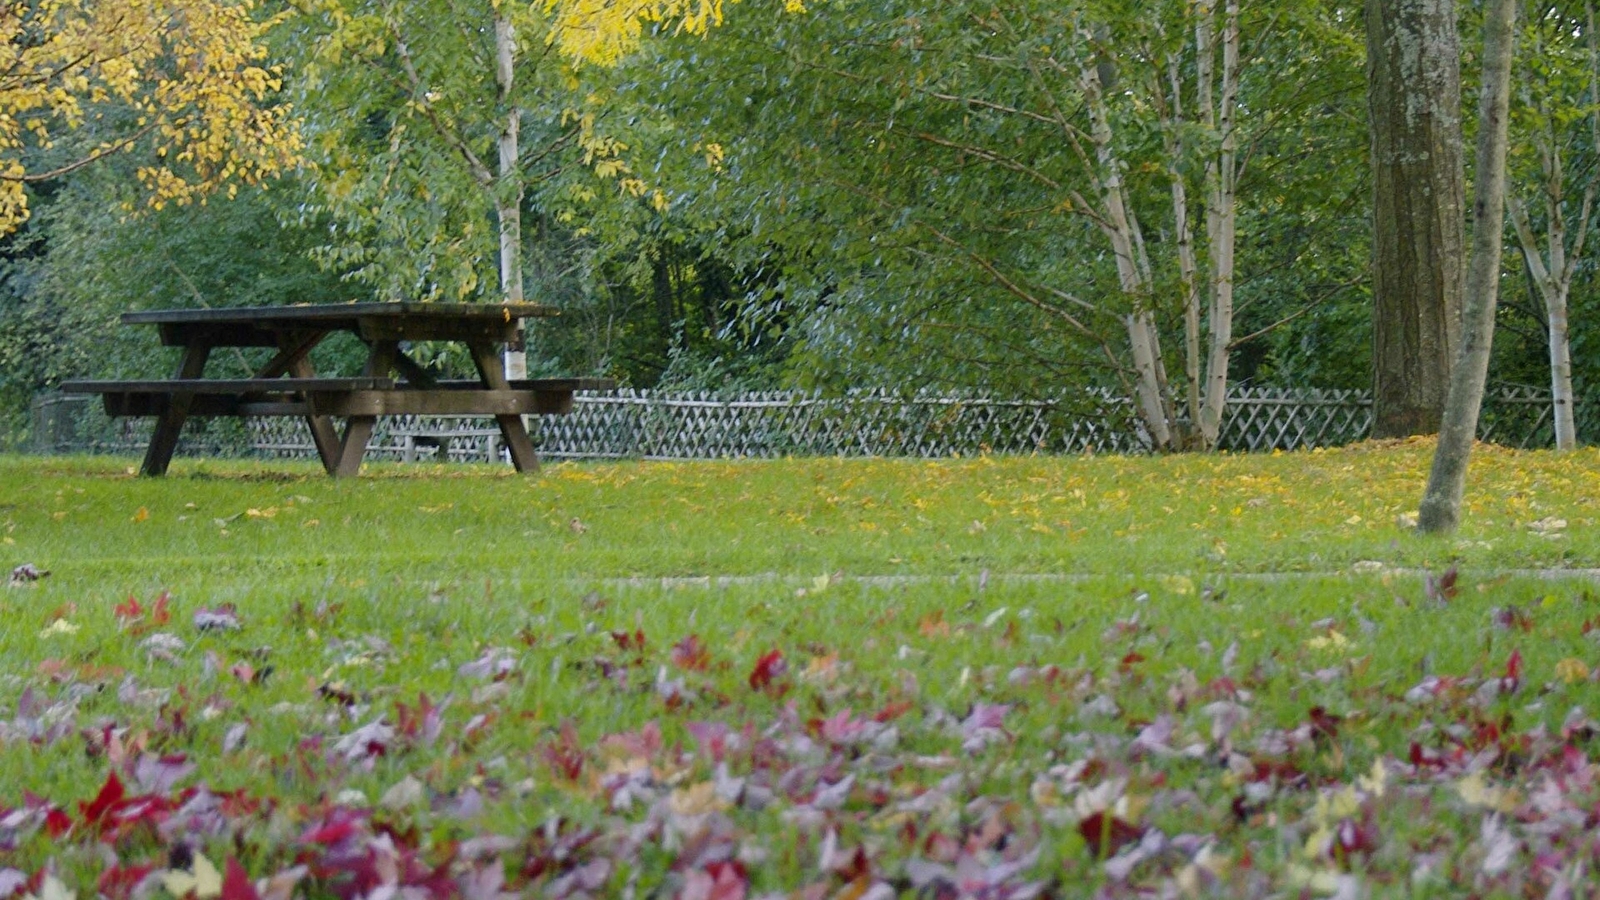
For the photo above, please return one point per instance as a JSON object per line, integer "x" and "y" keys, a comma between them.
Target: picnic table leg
{"x": 492, "y": 371}
{"x": 169, "y": 425}
{"x": 323, "y": 434}
{"x": 358, "y": 429}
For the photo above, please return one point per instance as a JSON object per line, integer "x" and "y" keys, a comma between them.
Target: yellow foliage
{"x": 192, "y": 74}
{"x": 603, "y": 31}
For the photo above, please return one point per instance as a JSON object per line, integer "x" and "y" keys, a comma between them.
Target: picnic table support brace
{"x": 493, "y": 373}
{"x": 358, "y": 429}
{"x": 169, "y": 425}
{"x": 323, "y": 434}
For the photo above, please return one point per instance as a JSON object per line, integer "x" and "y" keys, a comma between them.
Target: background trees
{"x": 1025, "y": 197}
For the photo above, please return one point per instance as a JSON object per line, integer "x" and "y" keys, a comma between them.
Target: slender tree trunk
{"x": 1221, "y": 219}
{"x": 1561, "y": 375}
{"x": 1553, "y": 280}
{"x": 1414, "y": 104}
{"x": 1133, "y": 270}
{"x": 1441, "y": 503}
{"x": 508, "y": 193}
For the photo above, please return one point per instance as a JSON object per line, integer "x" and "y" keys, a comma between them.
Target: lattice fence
{"x": 652, "y": 425}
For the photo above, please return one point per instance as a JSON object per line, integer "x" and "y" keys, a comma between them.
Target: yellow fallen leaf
{"x": 205, "y": 881}
{"x": 1478, "y": 792}
{"x": 142, "y": 515}
{"x": 697, "y": 799}
{"x": 1572, "y": 671}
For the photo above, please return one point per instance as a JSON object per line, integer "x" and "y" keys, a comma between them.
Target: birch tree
{"x": 1559, "y": 114}
{"x": 433, "y": 117}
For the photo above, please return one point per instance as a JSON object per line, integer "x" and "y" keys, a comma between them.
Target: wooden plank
{"x": 434, "y": 402}
{"x": 320, "y": 314}
{"x": 537, "y": 384}
{"x": 434, "y": 329}
{"x": 203, "y": 405}
{"x": 291, "y": 359}
{"x": 175, "y": 386}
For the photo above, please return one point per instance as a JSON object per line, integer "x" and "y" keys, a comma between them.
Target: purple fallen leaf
{"x": 984, "y": 726}
{"x": 493, "y": 663}
{"x": 27, "y": 573}
{"x": 159, "y": 774}
{"x": 219, "y": 618}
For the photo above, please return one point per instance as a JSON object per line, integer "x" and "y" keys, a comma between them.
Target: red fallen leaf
{"x": 565, "y": 754}
{"x": 1443, "y": 589}
{"x": 118, "y": 882}
{"x": 769, "y": 667}
{"x": 1511, "y": 618}
{"x": 339, "y": 825}
{"x": 1352, "y": 838}
{"x": 1513, "y": 674}
{"x": 128, "y": 611}
{"x": 236, "y": 884}
{"x": 629, "y": 643}
{"x": 1126, "y": 664}
{"x": 728, "y": 878}
{"x": 424, "y": 723}
{"x": 1106, "y": 834}
{"x": 160, "y": 614}
{"x": 111, "y": 793}
{"x": 690, "y": 654}
{"x": 57, "y": 823}
{"x": 891, "y": 711}
{"x": 1324, "y": 725}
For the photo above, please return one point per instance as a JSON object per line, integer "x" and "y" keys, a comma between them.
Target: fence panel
{"x": 699, "y": 425}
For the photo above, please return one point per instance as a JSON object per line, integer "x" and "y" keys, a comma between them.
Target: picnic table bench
{"x": 392, "y": 383}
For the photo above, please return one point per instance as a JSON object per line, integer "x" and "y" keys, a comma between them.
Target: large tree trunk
{"x": 508, "y": 193}
{"x": 1414, "y": 102}
{"x": 1441, "y": 503}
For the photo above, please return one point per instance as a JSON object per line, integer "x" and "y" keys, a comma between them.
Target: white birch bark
{"x": 1553, "y": 277}
{"x": 1188, "y": 269}
{"x": 508, "y": 192}
{"x": 1133, "y": 269}
{"x": 1221, "y": 218}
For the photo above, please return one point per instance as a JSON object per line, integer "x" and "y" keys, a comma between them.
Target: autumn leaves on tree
{"x": 184, "y": 81}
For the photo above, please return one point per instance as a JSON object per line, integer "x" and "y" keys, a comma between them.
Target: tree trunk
{"x": 1553, "y": 280}
{"x": 1221, "y": 218}
{"x": 508, "y": 193}
{"x": 1414, "y": 104}
{"x": 1121, "y": 226}
{"x": 1441, "y": 503}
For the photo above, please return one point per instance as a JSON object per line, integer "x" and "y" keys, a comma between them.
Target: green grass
{"x": 1090, "y": 596}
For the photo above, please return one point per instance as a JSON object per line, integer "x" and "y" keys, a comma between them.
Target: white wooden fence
{"x": 661, "y": 425}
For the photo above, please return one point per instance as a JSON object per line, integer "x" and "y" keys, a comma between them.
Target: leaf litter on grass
{"x": 767, "y": 756}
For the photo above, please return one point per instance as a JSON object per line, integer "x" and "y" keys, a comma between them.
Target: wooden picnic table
{"x": 391, "y": 383}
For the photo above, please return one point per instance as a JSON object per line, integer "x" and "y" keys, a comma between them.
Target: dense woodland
{"x": 1012, "y": 196}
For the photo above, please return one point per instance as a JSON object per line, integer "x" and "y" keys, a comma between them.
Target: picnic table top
{"x": 342, "y": 315}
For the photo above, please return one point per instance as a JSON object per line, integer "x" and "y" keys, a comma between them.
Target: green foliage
{"x": 76, "y": 268}
{"x": 905, "y": 170}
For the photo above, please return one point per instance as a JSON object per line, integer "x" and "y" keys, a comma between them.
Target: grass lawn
{"x": 1217, "y": 675}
